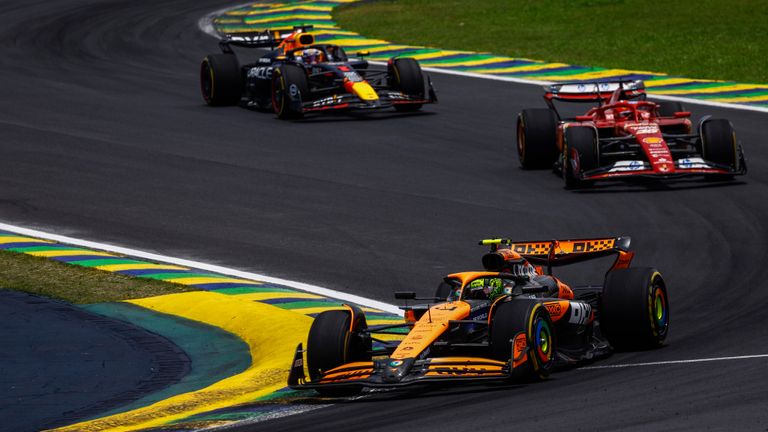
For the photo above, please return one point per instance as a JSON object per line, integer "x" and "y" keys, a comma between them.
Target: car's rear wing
{"x": 553, "y": 253}
{"x": 264, "y": 39}
{"x": 589, "y": 91}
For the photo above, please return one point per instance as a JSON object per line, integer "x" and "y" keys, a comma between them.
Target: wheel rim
{"x": 542, "y": 337}
{"x": 660, "y": 312}
{"x": 278, "y": 94}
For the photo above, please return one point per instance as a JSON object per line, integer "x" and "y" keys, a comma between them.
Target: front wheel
{"x": 580, "y": 155}
{"x": 290, "y": 87}
{"x": 718, "y": 143}
{"x": 331, "y": 344}
{"x": 634, "y": 311}
{"x": 530, "y": 319}
{"x": 405, "y": 74}
{"x": 536, "y": 138}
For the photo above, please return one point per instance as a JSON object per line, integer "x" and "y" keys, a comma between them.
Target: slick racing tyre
{"x": 221, "y": 81}
{"x": 331, "y": 344}
{"x": 669, "y": 108}
{"x": 718, "y": 143}
{"x": 536, "y": 138}
{"x": 532, "y": 319}
{"x": 634, "y": 312}
{"x": 404, "y": 74}
{"x": 580, "y": 155}
{"x": 290, "y": 87}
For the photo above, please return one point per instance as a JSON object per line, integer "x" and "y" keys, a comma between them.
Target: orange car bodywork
{"x": 436, "y": 319}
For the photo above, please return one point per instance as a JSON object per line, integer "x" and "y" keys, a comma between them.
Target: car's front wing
{"x": 394, "y": 374}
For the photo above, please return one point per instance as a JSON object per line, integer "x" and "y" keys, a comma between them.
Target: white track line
{"x": 203, "y": 266}
{"x": 673, "y": 362}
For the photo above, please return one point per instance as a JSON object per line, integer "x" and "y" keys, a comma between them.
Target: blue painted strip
{"x": 151, "y": 272}
{"x": 21, "y": 245}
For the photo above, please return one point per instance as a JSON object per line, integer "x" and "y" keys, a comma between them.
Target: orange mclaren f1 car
{"x": 513, "y": 321}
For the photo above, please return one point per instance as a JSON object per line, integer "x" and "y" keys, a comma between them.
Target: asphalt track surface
{"x": 104, "y": 136}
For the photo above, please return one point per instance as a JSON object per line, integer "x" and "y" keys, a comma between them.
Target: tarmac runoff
{"x": 238, "y": 367}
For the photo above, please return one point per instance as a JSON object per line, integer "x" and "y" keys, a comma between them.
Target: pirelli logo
{"x": 564, "y": 247}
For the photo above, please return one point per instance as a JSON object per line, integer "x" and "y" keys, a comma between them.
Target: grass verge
{"x": 73, "y": 284}
{"x": 709, "y": 39}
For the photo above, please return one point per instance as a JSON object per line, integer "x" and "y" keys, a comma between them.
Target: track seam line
{"x": 673, "y": 362}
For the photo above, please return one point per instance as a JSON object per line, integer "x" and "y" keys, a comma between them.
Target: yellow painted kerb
{"x": 270, "y": 332}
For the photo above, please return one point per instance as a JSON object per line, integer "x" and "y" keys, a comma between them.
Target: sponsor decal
{"x": 688, "y": 163}
{"x": 580, "y": 313}
{"x": 645, "y": 129}
{"x": 330, "y": 100}
{"x": 453, "y": 370}
{"x": 481, "y": 317}
{"x": 652, "y": 140}
{"x": 553, "y": 308}
{"x": 395, "y": 363}
{"x": 298, "y": 363}
{"x": 261, "y": 72}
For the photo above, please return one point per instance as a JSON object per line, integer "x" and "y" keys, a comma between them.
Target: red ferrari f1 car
{"x": 624, "y": 135}
{"x": 299, "y": 76}
{"x": 513, "y": 321}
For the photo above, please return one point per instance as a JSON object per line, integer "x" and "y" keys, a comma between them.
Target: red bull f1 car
{"x": 624, "y": 135}
{"x": 513, "y": 321}
{"x": 298, "y": 76}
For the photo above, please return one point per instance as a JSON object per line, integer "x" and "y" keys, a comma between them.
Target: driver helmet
{"x": 312, "y": 56}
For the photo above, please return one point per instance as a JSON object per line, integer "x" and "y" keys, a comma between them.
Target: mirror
{"x": 405, "y": 295}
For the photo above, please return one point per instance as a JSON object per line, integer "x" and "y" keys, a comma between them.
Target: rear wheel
{"x": 532, "y": 319}
{"x": 221, "y": 80}
{"x": 580, "y": 155}
{"x": 718, "y": 143}
{"x": 289, "y": 84}
{"x": 634, "y": 311}
{"x": 331, "y": 344}
{"x": 536, "y": 138}
{"x": 405, "y": 74}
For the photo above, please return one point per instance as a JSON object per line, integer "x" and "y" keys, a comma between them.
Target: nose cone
{"x": 396, "y": 369}
{"x": 364, "y": 91}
